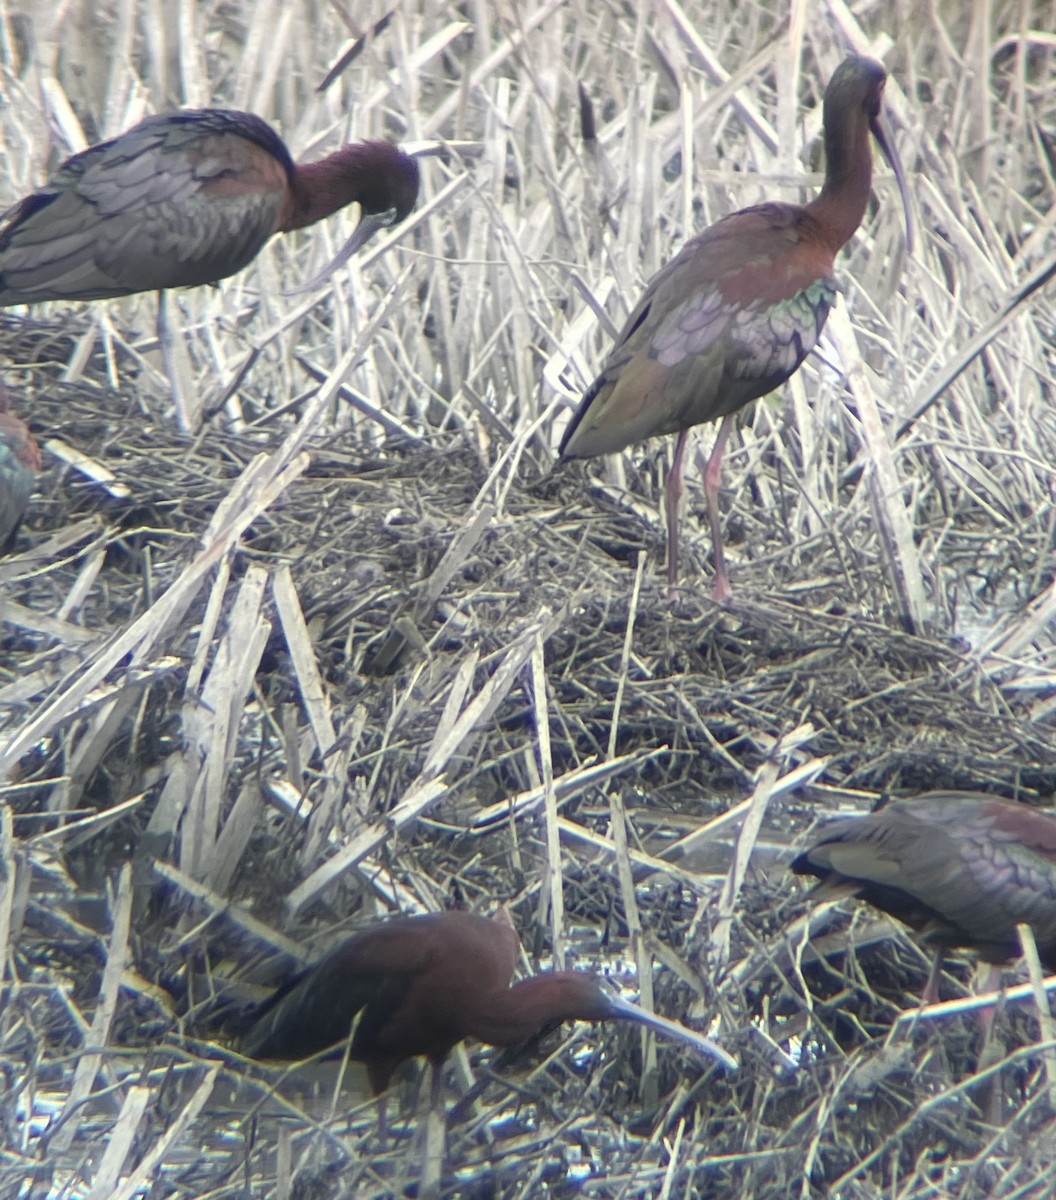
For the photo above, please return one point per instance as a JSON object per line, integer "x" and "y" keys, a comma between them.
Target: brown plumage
{"x": 960, "y": 868}
{"x": 737, "y": 310}
{"x": 183, "y": 199}
{"x": 419, "y": 985}
{"x": 19, "y": 465}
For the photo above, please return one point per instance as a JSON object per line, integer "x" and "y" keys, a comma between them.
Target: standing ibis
{"x": 418, "y": 985}
{"x": 737, "y": 310}
{"x": 19, "y": 464}
{"x": 186, "y": 198}
{"x": 960, "y": 868}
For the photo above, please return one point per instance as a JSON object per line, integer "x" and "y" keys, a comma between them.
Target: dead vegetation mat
{"x": 386, "y": 694}
{"x": 353, "y": 647}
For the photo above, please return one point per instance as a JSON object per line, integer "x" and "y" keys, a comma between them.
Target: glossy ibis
{"x": 19, "y": 464}
{"x": 960, "y": 868}
{"x": 737, "y": 310}
{"x": 419, "y": 985}
{"x": 186, "y": 198}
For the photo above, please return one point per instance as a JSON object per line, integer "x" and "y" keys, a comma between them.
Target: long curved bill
{"x": 672, "y": 1029}
{"x": 369, "y": 225}
{"x": 887, "y": 145}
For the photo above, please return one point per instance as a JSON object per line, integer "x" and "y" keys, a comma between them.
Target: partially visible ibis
{"x": 415, "y": 986}
{"x": 737, "y": 310}
{"x": 187, "y": 198}
{"x": 962, "y": 869}
{"x": 19, "y": 464}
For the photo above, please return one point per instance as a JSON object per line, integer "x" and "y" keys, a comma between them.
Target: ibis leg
{"x": 433, "y": 1139}
{"x": 673, "y": 492}
{"x": 177, "y": 364}
{"x": 931, "y": 988}
{"x": 991, "y": 1049}
{"x": 712, "y": 479}
{"x": 383, "y": 1121}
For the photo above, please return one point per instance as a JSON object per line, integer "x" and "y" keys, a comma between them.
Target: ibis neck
{"x": 848, "y": 178}
{"x": 317, "y": 190}
{"x": 516, "y": 1013}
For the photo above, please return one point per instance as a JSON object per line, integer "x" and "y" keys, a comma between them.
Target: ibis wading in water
{"x": 418, "y": 985}
{"x": 19, "y": 464}
{"x": 187, "y": 198}
{"x": 960, "y": 868}
{"x": 737, "y": 310}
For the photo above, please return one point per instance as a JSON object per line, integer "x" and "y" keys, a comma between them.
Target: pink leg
{"x": 931, "y": 988}
{"x": 383, "y": 1121}
{"x": 434, "y": 1136}
{"x": 712, "y": 479}
{"x": 674, "y": 497}
{"x": 987, "y": 979}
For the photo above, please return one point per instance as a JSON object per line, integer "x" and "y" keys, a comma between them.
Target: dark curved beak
{"x": 369, "y": 225}
{"x": 887, "y": 145}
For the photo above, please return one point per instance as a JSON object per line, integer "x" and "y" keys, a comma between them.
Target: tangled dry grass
{"x": 348, "y": 647}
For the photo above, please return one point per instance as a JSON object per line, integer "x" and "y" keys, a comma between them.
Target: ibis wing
{"x": 1009, "y": 856}
{"x": 177, "y": 201}
{"x": 994, "y": 863}
{"x": 308, "y": 1019}
{"x": 892, "y": 864}
{"x": 1006, "y": 821}
{"x": 398, "y": 982}
{"x": 362, "y": 982}
{"x": 16, "y": 487}
{"x": 964, "y": 867}
{"x": 726, "y": 321}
